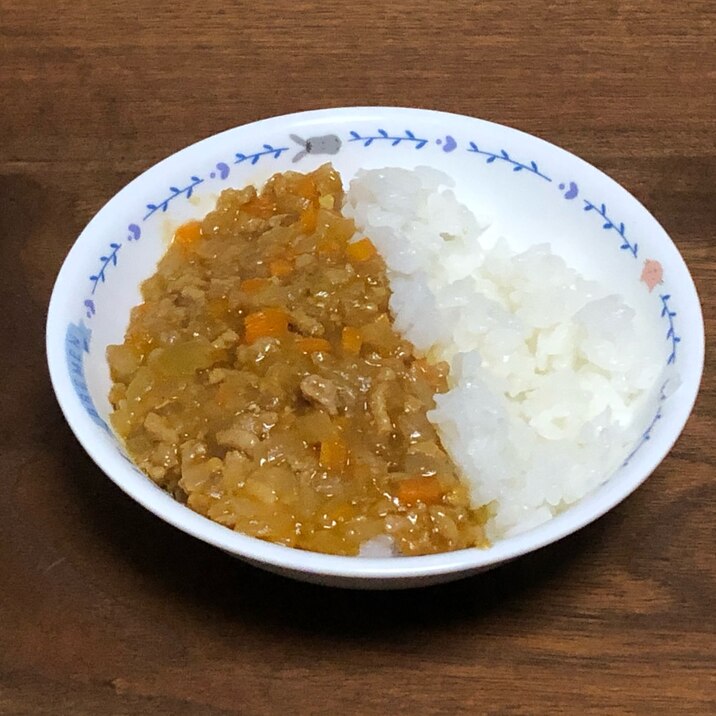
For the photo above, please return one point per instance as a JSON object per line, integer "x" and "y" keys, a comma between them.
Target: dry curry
{"x": 261, "y": 382}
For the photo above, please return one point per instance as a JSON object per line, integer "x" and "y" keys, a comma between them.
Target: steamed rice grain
{"x": 551, "y": 374}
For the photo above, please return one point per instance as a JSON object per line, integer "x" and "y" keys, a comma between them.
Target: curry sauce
{"x": 261, "y": 382}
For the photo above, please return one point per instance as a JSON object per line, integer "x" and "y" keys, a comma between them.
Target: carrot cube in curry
{"x": 361, "y": 250}
{"x": 270, "y": 322}
{"x": 412, "y": 490}
{"x": 188, "y": 233}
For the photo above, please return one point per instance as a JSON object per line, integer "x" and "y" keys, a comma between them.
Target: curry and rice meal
{"x": 358, "y": 375}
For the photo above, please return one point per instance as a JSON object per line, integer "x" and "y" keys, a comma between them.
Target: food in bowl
{"x": 299, "y": 367}
{"x": 262, "y": 383}
{"x": 553, "y": 377}
{"x": 533, "y": 192}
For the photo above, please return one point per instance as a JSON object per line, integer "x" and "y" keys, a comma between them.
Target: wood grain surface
{"x": 104, "y": 609}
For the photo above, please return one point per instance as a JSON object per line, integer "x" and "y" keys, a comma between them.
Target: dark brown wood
{"x": 104, "y": 608}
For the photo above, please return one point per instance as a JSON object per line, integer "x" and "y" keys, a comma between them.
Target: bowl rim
{"x": 300, "y": 561}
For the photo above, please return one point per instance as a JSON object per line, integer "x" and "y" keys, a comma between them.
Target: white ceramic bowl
{"x": 535, "y": 191}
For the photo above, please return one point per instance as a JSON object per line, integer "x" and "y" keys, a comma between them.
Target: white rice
{"x": 550, "y": 373}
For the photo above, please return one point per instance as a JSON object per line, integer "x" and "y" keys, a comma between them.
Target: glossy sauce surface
{"x": 261, "y": 382}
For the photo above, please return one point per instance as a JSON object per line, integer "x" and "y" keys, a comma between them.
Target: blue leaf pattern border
{"x": 109, "y": 260}
{"x": 254, "y": 158}
{"x": 646, "y": 435}
{"x": 186, "y": 192}
{"x": 669, "y": 314}
{"x": 394, "y": 140}
{"x": 405, "y": 138}
{"x": 503, "y": 156}
{"x": 610, "y": 224}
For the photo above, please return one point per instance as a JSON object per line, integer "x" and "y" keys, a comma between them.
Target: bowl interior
{"x": 533, "y": 192}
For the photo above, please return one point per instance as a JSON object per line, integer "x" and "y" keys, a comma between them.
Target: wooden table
{"x": 104, "y": 608}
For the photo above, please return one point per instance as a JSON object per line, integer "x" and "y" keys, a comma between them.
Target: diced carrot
{"x": 253, "y": 285}
{"x": 188, "y": 233}
{"x": 312, "y": 345}
{"x": 262, "y": 206}
{"x": 351, "y": 339}
{"x": 268, "y": 322}
{"x": 419, "y": 489}
{"x": 334, "y": 454}
{"x": 361, "y": 250}
{"x": 309, "y": 219}
{"x": 280, "y": 267}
